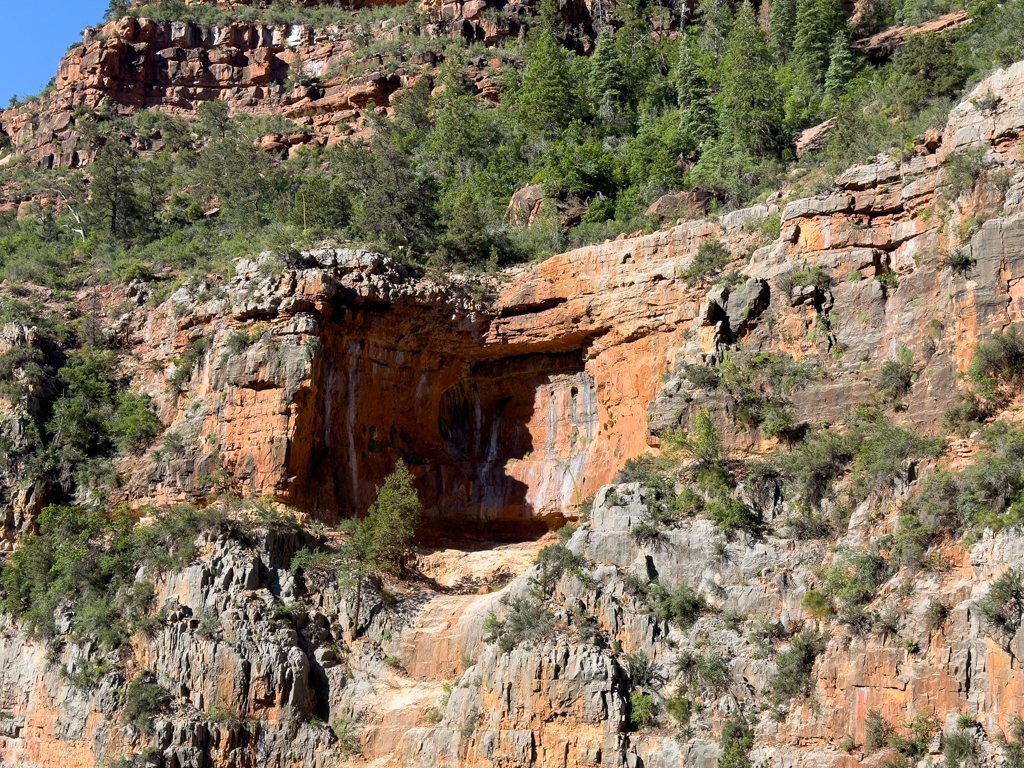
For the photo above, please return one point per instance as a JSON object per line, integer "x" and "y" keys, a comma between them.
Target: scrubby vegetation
{"x": 85, "y": 563}
{"x": 642, "y": 114}
{"x": 736, "y": 742}
{"x": 794, "y": 665}
{"x": 759, "y": 385}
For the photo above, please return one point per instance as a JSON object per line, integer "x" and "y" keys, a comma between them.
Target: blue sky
{"x": 34, "y": 35}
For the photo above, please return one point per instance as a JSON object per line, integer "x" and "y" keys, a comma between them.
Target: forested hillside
{"x": 655, "y": 102}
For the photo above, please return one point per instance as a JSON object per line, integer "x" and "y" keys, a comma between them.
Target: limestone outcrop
{"x": 302, "y": 379}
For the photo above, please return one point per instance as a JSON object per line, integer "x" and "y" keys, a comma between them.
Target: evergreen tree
{"x": 817, "y": 23}
{"x": 693, "y": 93}
{"x": 113, "y": 204}
{"x": 716, "y": 20}
{"x": 750, "y": 110}
{"x": 390, "y": 525}
{"x": 383, "y": 539}
{"x": 781, "y": 26}
{"x": 546, "y": 100}
{"x": 635, "y": 48}
{"x": 607, "y": 80}
{"x": 840, "y": 67}
{"x": 117, "y": 9}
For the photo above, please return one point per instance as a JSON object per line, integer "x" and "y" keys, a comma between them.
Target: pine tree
{"x": 781, "y": 26}
{"x": 381, "y": 541}
{"x": 113, "y": 202}
{"x": 840, "y": 67}
{"x": 749, "y": 105}
{"x": 606, "y": 76}
{"x": 392, "y": 521}
{"x": 546, "y": 100}
{"x": 117, "y": 9}
{"x": 693, "y": 93}
{"x": 817, "y": 22}
{"x": 716, "y": 20}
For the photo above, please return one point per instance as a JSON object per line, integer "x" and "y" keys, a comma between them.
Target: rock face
{"x": 312, "y": 380}
{"x": 322, "y": 79}
{"x": 513, "y": 399}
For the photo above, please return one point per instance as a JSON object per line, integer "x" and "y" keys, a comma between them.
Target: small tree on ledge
{"x": 383, "y": 539}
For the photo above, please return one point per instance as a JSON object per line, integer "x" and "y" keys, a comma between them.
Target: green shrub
{"x": 876, "y": 730}
{"x": 680, "y": 606}
{"x": 86, "y": 563}
{"x": 1013, "y": 748}
{"x": 703, "y": 376}
{"x": 135, "y": 424}
{"x": 87, "y": 673}
{"x": 711, "y": 257}
{"x": 703, "y": 673}
{"x": 883, "y": 455}
{"x": 963, "y": 170}
{"x": 640, "y": 670}
{"x": 731, "y": 514}
{"x": 816, "y": 462}
{"x": 959, "y": 261}
{"x": 935, "y": 614}
{"x": 736, "y": 742}
{"x": 895, "y": 377}
{"x": 958, "y": 748}
{"x": 348, "y": 732}
{"x": 642, "y": 709}
{"x": 816, "y": 604}
{"x": 554, "y": 560}
{"x": 663, "y": 506}
{"x": 646, "y": 534}
{"x": 526, "y": 621}
{"x": 795, "y": 665}
{"x": 965, "y": 416}
{"x": 998, "y": 362}
{"x": 679, "y": 709}
{"x": 852, "y": 578}
{"x": 913, "y": 743}
{"x": 143, "y": 699}
{"x": 1003, "y": 605}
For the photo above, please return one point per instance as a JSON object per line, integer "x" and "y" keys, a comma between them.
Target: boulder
{"x": 524, "y": 205}
{"x": 688, "y": 205}
{"x": 814, "y": 138}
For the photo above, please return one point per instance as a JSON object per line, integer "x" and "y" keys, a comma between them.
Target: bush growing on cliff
{"x": 816, "y": 462}
{"x": 143, "y": 699}
{"x": 85, "y": 562}
{"x": 731, "y": 514}
{"x": 556, "y": 559}
{"x": 986, "y": 493}
{"x": 853, "y": 577}
{"x": 642, "y": 709}
{"x": 711, "y": 257}
{"x": 680, "y": 605}
{"x": 93, "y": 418}
{"x": 1002, "y": 607}
{"x": 736, "y": 742}
{"x": 876, "y": 730}
{"x": 895, "y": 377}
{"x": 998, "y": 362}
{"x": 1014, "y": 746}
{"x": 958, "y": 748}
{"x": 703, "y": 673}
{"x": 883, "y": 455}
{"x": 795, "y": 665}
{"x": 527, "y": 620}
